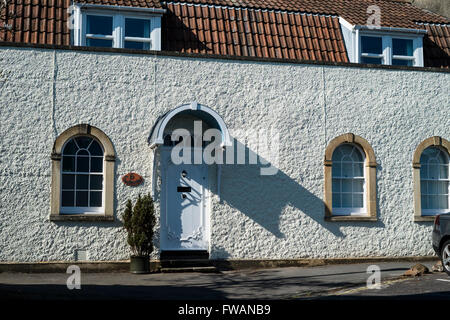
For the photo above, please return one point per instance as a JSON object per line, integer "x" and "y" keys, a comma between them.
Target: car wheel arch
{"x": 443, "y": 240}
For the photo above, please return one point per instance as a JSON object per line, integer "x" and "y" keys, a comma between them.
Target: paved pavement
{"x": 325, "y": 282}
{"x": 429, "y": 287}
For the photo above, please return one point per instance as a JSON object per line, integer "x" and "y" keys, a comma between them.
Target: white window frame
{"x": 86, "y": 36}
{"x": 352, "y": 38}
{"x": 119, "y": 14}
{"x": 433, "y": 212}
{"x": 83, "y": 210}
{"x": 383, "y": 53}
{"x": 353, "y": 211}
{"x": 387, "y": 48}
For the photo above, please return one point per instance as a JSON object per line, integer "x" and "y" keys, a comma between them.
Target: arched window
{"x": 82, "y": 175}
{"x": 434, "y": 181}
{"x": 350, "y": 180}
{"x": 431, "y": 178}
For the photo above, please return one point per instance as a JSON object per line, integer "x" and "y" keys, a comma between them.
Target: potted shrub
{"x": 139, "y": 223}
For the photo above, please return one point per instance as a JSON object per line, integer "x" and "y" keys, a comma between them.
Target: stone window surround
{"x": 435, "y": 141}
{"x": 370, "y": 176}
{"x": 109, "y": 158}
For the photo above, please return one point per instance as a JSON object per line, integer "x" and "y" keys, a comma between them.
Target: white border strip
{"x": 253, "y": 9}
{"x": 120, "y": 8}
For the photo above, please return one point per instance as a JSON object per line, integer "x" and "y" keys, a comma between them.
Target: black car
{"x": 441, "y": 239}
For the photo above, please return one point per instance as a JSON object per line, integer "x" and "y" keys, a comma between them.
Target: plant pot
{"x": 139, "y": 264}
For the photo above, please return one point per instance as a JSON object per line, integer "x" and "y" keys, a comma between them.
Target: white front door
{"x": 183, "y": 215}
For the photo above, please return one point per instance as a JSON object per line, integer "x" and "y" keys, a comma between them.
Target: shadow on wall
{"x": 263, "y": 198}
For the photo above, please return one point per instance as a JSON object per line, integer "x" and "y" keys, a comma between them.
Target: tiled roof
{"x": 254, "y": 33}
{"x": 436, "y": 46}
{"x": 294, "y": 29}
{"x": 125, "y": 3}
{"x": 393, "y": 13}
{"x": 38, "y": 21}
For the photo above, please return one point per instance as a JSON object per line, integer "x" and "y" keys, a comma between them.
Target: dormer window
{"x": 385, "y": 45}
{"x": 117, "y": 27}
{"x": 388, "y": 50}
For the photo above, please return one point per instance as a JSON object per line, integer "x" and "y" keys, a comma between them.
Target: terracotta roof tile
{"x": 436, "y": 47}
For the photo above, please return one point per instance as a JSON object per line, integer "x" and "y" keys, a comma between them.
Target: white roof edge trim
{"x": 352, "y": 27}
{"x": 159, "y": 138}
{"x": 120, "y": 8}
{"x": 391, "y": 29}
{"x": 346, "y": 24}
{"x": 248, "y": 8}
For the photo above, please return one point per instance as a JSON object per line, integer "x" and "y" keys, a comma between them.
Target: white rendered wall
{"x": 44, "y": 92}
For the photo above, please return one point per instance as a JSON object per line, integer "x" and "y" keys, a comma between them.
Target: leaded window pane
{"x": 95, "y": 149}
{"x": 443, "y": 172}
{"x": 423, "y": 171}
{"x": 433, "y": 172}
{"x": 83, "y": 142}
{"x": 347, "y": 170}
{"x": 347, "y": 200}
{"x": 424, "y": 187}
{"x": 67, "y": 198}
{"x": 336, "y": 169}
{"x": 82, "y": 181}
{"x": 442, "y": 187}
{"x": 358, "y": 185}
{"x": 443, "y": 201}
{"x": 96, "y": 164}
{"x": 336, "y": 200}
{"x": 70, "y": 148}
{"x": 346, "y": 185}
{"x": 95, "y": 199}
{"x": 82, "y": 164}
{"x": 96, "y": 182}
{"x": 358, "y": 201}
{"x": 336, "y": 185}
{"x": 83, "y": 153}
{"x": 358, "y": 169}
{"x": 68, "y": 164}
{"x": 424, "y": 200}
{"x": 82, "y": 198}
{"x": 68, "y": 181}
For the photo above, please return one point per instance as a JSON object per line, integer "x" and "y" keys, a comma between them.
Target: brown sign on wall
{"x": 132, "y": 179}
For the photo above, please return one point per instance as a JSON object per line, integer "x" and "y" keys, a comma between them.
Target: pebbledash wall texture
{"x": 46, "y": 91}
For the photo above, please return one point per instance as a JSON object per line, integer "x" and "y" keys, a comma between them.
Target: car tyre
{"x": 445, "y": 256}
